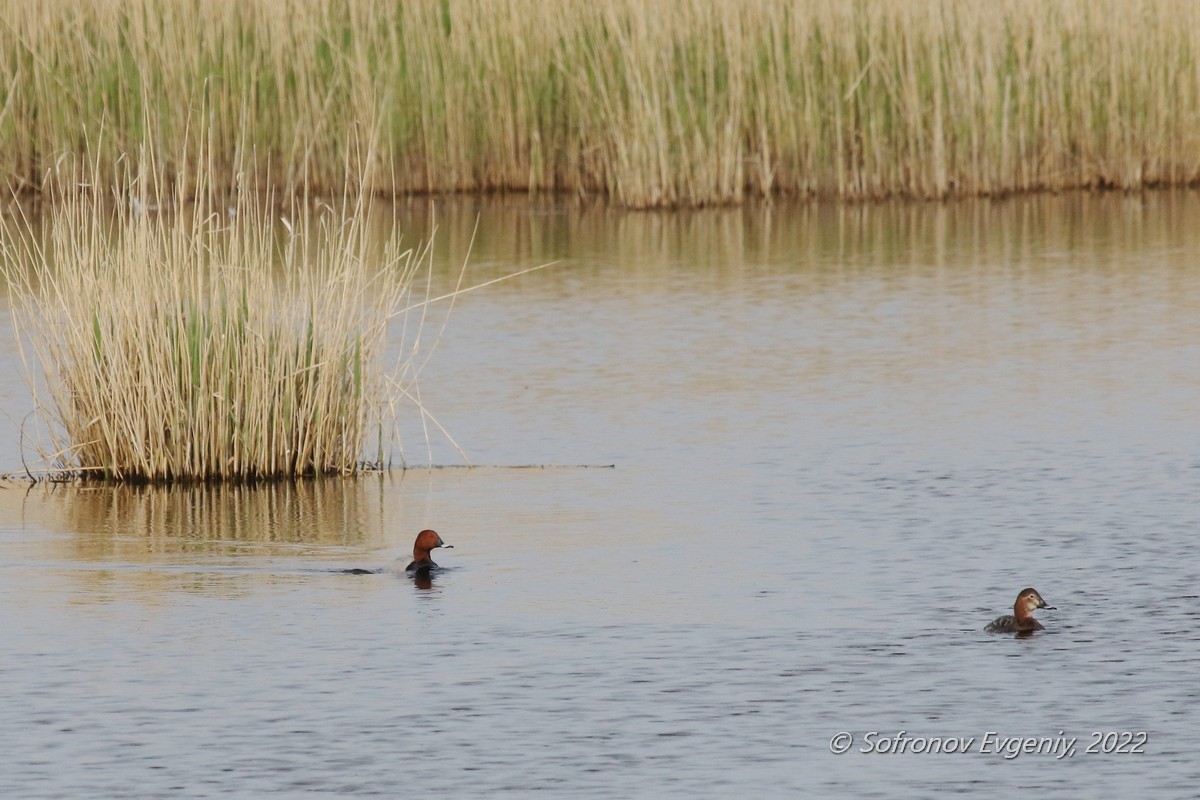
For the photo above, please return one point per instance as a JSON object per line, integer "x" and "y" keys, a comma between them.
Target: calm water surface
{"x": 842, "y": 440}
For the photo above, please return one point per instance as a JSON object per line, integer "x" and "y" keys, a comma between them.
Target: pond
{"x": 744, "y": 479}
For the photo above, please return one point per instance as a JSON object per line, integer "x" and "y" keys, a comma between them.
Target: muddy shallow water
{"x": 841, "y": 440}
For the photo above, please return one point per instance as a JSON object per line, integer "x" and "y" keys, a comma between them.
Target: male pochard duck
{"x": 426, "y": 542}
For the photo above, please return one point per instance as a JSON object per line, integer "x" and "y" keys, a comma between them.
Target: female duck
{"x": 1021, "y": 620}
{"x": 426, "y": 542}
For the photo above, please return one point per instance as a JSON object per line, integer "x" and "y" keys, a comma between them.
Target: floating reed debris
{"x": 203, "y": 342}
{"x": 650, "y": 103}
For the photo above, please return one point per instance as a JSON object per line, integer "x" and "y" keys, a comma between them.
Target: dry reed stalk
{"x": 193, "y": 343}
{"x": 687, "y": 103}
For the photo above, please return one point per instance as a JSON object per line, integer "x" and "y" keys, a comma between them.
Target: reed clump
{"x": 202, "y": 341}
{"x": 652, "y": 104}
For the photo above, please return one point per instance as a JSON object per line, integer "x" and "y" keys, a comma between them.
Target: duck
{"x": 421, "y": 563}
{"x": 427, "y": 540}
{"x": 1021, "y": 620}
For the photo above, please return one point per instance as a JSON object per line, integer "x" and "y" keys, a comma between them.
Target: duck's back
{"x": 1010, "y": 624}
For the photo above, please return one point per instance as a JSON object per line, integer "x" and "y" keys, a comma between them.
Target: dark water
{"x": 843, "y": 439}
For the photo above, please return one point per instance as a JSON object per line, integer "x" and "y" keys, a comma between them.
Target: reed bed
{"x": 205, "y": 342}
{"x": 651, "y": 104}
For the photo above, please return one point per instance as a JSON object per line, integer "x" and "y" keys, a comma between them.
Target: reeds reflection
{"x": 138, "y": 523}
